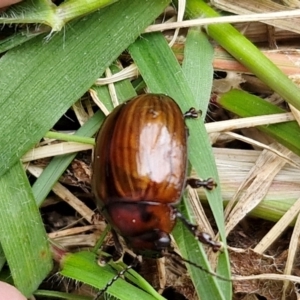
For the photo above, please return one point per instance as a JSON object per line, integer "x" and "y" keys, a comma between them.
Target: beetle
{"x": 140, "y": 172}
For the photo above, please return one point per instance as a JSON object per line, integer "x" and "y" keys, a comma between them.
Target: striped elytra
{"x": 139, "y": 172}
{"x": 139, "y": 168}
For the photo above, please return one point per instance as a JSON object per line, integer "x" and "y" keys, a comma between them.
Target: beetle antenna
{"x": 179, "y": 259}
{"x": 118, "y": 275}
{"x": 201, "y": 236}
{"x": 110, "y": 283}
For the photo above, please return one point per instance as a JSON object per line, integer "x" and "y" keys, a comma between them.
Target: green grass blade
{"x": 69, "y": 137}
{"x": 45, "y": 294}
{"x": 190, "y": 249}
{"x": 39, "y": 81}
{"x": 246, "y": 105}
{"x": 197, "y": 67}
{"x": 83, "y": 266}
{"x": 2, "y": 258}
{"x": 46, "y": 12}
{"x": 68, "y": 10}
{"x": 245, "y": 52}
{"x": 29, "y": 11}
{"x": 16, "y": 39}
{"x": 162, "y": 74}
{"x": 22, "y": 233}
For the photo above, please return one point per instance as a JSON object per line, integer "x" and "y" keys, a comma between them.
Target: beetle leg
{"x": 118, "y": 253}
{"x": 202, "y": 237}
{"x": 192, "y": 113}
{"x": 115, "y": 252}
{"x": 209, "y": 183}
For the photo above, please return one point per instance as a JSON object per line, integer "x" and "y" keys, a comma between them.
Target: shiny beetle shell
{"x": 139, "y": 169}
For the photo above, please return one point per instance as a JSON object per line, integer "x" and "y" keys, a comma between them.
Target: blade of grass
{"x": 197, "y": 67}
{"x": 69, "y": 137}
{"x": 246, "y": 105}
{"x": 39, "y": 81}
{"x": 2, "y": 258}
{"x": 83, "y": 266}
{"x": 45, "y": 294}
{"x": 29, "y": 11}
{"x": 162, "y": 74}
{"x": 17, "y": 39}
{"x": 72, "y": 9}
{"x": 137, "y": 280}
{"x": 245, "y": 52}
{"x": 22, "y": 233}
{"x": 46, "y": 12}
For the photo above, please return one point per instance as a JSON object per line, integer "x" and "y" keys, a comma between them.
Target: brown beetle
{"x": 140, "y": 169}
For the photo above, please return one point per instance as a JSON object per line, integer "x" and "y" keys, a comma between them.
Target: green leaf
{"x": 162, "y": 74}
{"x": 197, "y": 67}
{"x": 45, "y": 294}
{"x": 70, "y": 138}
{"x": 246, "y": 105}
{"x": 39, "y": 81}
{"x": 198, "y": 70}
{"x": 16, "y": 39}
{"x": 83, "y": 266}
{"x": 22, "y": 234}
{"x": 46, "y": 12}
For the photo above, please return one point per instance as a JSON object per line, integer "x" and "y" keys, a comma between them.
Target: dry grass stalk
{"x": 76, "y": 230}
{"x": 81, "y": 115}
{"x": 199, "y": 212}
{"x": 234, "y": 124}
{"x": 278, "y": 228}
{"x": 293, "y": 248}
{"x": 258, "y": 144}
{"x": 262, "y": 17}
{"x": 246, "y": 7}
{"x": 112, "y": 89}
{"x": 254, "y": 188}
{"x": 286, "y": 60}
{"x": 67, "y": 196}
{"x": 292, "y": 3}
{"x": 77, "y": 241}
{"x": 98, "y": 102}
{"x": 54, "y": 150}
{"x": 234, "y": 166}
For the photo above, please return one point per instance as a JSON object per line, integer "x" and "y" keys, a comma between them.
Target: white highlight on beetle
{"x": 156, "y": 147}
